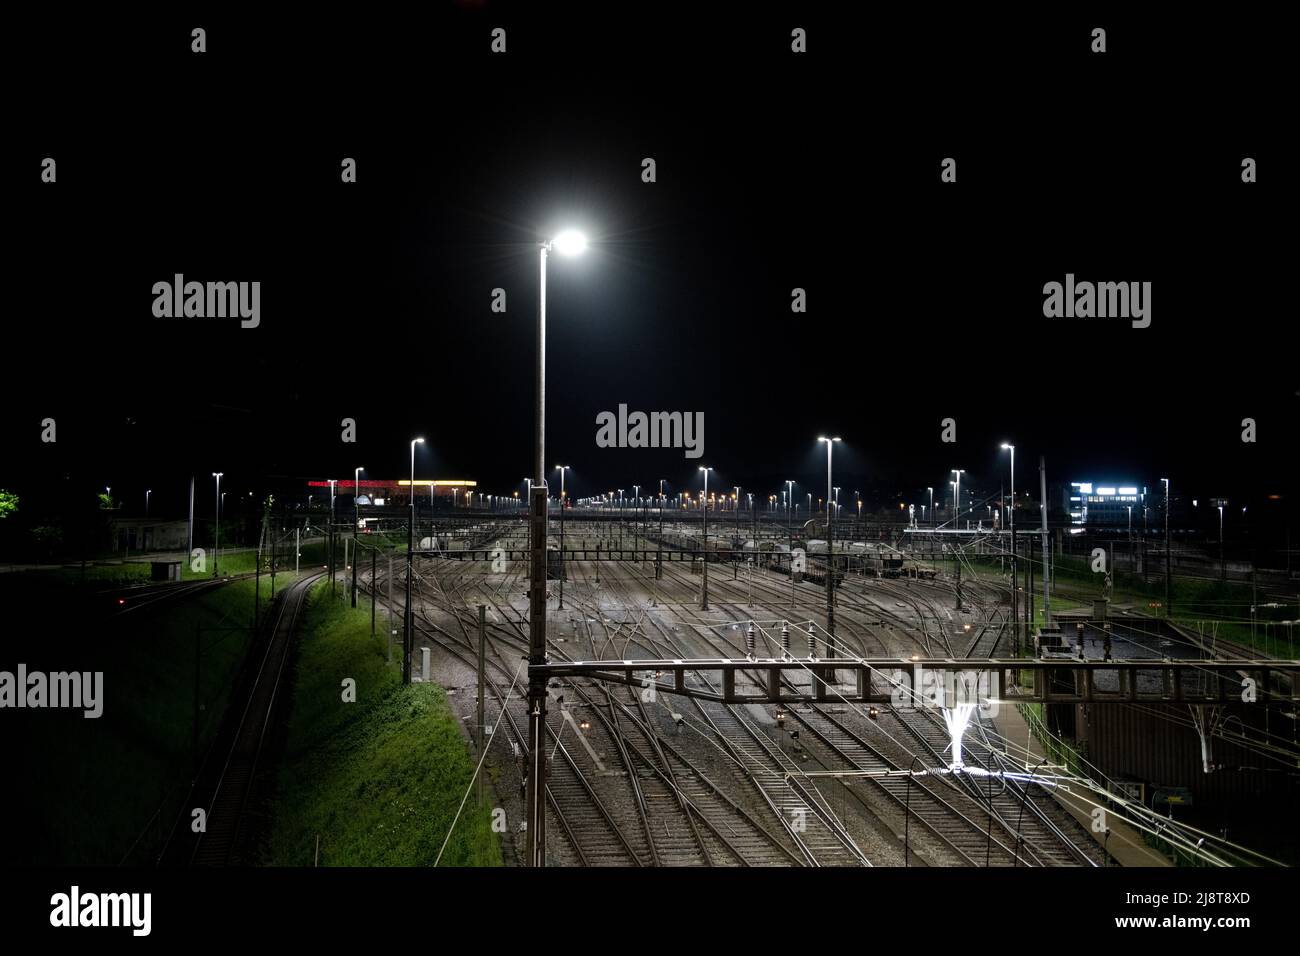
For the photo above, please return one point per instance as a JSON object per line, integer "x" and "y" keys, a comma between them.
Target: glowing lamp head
{"x": 570, "y": 243}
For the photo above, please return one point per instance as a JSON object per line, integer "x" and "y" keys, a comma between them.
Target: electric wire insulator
{"x": 749, "y": 640}
{"x": 785, "y": 639}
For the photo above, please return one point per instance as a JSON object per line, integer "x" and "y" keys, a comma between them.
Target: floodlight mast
{"x": 1015, "y": 587}
{"x": 830, "y": 557}
{"x": 567, "y": 243}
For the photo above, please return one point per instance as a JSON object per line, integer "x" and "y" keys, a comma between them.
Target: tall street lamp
{"x": 561, "y": 469}
{"x": 1169, "y": 557}
{"x": 1223, "y": 568}
{"x": 735, "y": 507}
{"x": 356, "y": 522}
{"x": 408, "y": 643}
{"x": 704, "y": 500}
{"x": 956, "y": 499}
{"x": 333, "y": 483}
{"x": 569, "y": 243}
{"x": 830, "y": 556}
{"x": 659, "y": 553}
{"x": 1015, "y": 588}
{"x": 216, "y": 538}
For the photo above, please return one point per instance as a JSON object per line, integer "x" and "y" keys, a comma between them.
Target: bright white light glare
{"x": 957, "y": 720}
{"x": 570, "y": 243}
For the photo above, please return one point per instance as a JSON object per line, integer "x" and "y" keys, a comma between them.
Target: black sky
{"x": 774, "y": 171}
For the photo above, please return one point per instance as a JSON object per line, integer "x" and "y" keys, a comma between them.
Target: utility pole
{"x": 536, "y": 781}
{"x": 1169, "y": 557}
{"x": 1042, "y": 505}
{"x": 257, "y": 574}
{"x": 356, "y": 521}
{"x": 482, "y": 690}
{"x": 408, "y": 617}
{"x": 735, "y": 507}
{"x": 216, "y": 536}
{"x": 704, "y": 594}
{"x": 333, "y": 556}
{"x": 1011, "y": 521}
{"x": 562, "y": 469}
{"x": 659, "y": 555}
{"x": 830, "y": 560}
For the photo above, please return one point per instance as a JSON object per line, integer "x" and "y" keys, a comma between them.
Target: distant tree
{"x": 48, "y": 540}
{"x": 8, "y": 503}
{"x": 105, "y": 501}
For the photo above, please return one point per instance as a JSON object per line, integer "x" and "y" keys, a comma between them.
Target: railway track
{"x": 229, "y": 773}
{"x": 684, "y": 818}
{"x": 969, "y": 834}
{"x": 1043, "y": 829}
{"x": 1015, "y": 829}
{"x": 812, "y": 824}
{"x": 133, "y": 599}
{"x": 670, "y": 813}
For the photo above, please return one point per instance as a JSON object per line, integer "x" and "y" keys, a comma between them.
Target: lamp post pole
{"x": 562, "y": 469}
{"x": 536, "y": 779}
{"x": 956, "y": 500}
{"x": 356, "y": 521}
{"x": 735, "y": 507}
{"x": 216, "y": 538}
{"x": 568, "y": 243}
{"x": 333, "y": 484}
{"x": 830, "y": 558}
{"x": 1169, "y": 556}
{"x": 1011, "y": 521}
{"x": 408, "y": 643}
{"x": 1223, "y": 568}
{"x": 704, "y": 501}
{"x": 659, "y": 554}
{"x": 789, "y": 521}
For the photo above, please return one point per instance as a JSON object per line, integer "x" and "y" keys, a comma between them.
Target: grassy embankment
{"x": 377, "y": 782}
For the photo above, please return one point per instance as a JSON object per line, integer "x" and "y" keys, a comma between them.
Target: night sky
{"x": 775, "y": 171}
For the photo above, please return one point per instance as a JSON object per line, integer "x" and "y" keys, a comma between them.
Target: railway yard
{"x": 630, "y": 473}
{"x": 643, "y": 777}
